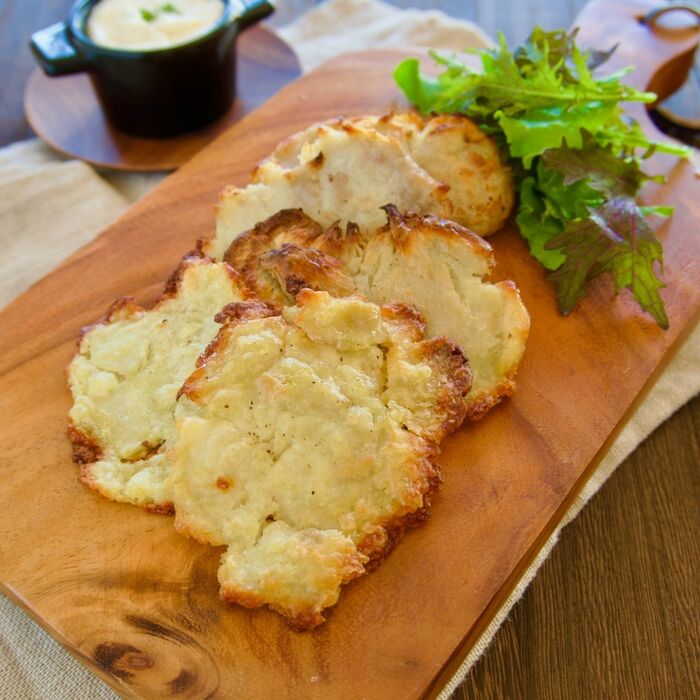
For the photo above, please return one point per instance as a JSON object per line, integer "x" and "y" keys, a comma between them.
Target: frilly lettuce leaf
{"x": 575, "y": 154}
{"x": 615, "y": 238}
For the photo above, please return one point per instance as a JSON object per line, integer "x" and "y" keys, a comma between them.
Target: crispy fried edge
{"x": 449, "y": 359}
{"x": 302, "y": 618}
{"x": 444, "y": 355}
{"x": 258, "y": 240}
{"x": 378, "y": 544}
{"x": 393, "y": 125}
{"x": 316, "y": 267}
{"x": 399, "y": 228}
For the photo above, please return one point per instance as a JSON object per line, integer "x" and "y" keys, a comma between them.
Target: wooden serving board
{"x": 138, "y": 603}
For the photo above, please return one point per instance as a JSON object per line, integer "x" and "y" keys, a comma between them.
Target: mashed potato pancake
{"x": 435, "y": 265}
{"x": 449, "y": 147}
{"x": 341, "y": 174}
{"x": 306, "y": 443}
{"x": 126, "y": 375}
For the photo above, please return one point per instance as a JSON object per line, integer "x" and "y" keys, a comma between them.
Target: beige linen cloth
{"x": 50, "y": 206}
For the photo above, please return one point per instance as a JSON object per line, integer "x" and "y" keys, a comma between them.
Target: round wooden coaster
{"x": 65, "y": 113}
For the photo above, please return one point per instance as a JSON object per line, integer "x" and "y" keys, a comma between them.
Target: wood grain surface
{"x": 64, "y": 111}
{"x": 139, "y": 603}
{"x": 613, "y": 612}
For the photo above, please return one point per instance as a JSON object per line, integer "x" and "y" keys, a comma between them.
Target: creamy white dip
{"x": 151, "y": 24}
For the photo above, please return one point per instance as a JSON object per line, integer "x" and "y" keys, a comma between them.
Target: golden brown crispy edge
{"x": 296, "y": 268}
{"x": 377, "y": 545}
{"x": 303, "y": 619}
{"x": 400, "y": 226}
{"x": 245, "y": 249}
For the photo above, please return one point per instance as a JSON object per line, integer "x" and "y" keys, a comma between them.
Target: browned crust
{"x": 149, "y": 451}
{"x": 86, "y": 477}
{"x": 317, "y": 162}
{"x": 459, "y": 122}
{"x": 125, "y": 307}
{"x": 406, "y": 314}
{"x": 241, "y": 311}
{"x": 306, "y": 296}
{"x": 173, "y": 282}
{"x": 336, "y": 242}
{"x": 404, "y": 127}
{"x": 120, "y": 309}
{"x": 183, "y": 528}
{"x": 86, "y": 449}
{"x": 483, "y": 162}
{"x": 193, "y": 257}
{"x": 451, "y": 363}
{"x": 299, "y": 618}
{"x": 297, "y": 268}
{"x": 347, "y": 126}
{"x": 445, "y": 356}
{"x": 286, "y": 226}
{"x": 390, "y": 120}
{"x": 401, "y": 227}
{"x": 377, "y": 545}
{"x": 167, "y": 508}
{"x": 480, "y": 405}
{"x": 298, "y": 227}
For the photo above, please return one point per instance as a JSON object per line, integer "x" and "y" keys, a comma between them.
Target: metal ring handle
{"x": 651, "y": 17}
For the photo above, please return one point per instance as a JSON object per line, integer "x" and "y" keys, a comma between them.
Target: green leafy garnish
{"x": 574, "y": 153}
{"x": 150, "y": 15}
{"x": 598, "y": 165}
{"x": 614, "y": 238}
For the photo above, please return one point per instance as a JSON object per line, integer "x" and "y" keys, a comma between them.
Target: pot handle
{"x": 55, "y": 52}
{"x": 254, "y": 11}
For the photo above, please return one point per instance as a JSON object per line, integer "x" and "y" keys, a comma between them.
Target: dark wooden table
{"x": 614, "y": 611}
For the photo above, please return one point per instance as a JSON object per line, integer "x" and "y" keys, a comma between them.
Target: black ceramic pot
{"x": 159, "y": 92}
